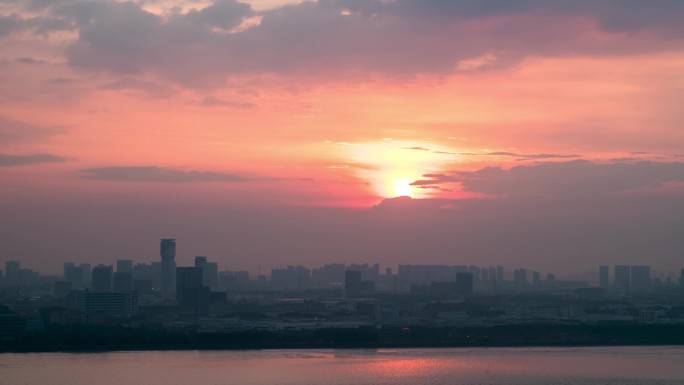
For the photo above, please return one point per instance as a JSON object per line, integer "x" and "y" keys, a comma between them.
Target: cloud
{"x": 155, "y": 174}
{"x": 211, "y": 101}
{"x": 10, "y": 24}
{"x": 556, "y": 179}
{"x": 360, "y": 39}
{"x": 7, "y": 160}
{"x": 531, "y": 156}
{"x": 225, "y": 14}
{"x": 152, "y": 89}
{"x": 29, "y": 60}
{"x": 14, "y": 131}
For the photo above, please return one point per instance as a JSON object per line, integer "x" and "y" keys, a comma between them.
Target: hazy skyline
{"x": 545, "y": 134}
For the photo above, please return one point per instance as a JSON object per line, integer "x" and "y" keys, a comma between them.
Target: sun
{"x": 403, "y": 188}
{"x": 392, "y": 166}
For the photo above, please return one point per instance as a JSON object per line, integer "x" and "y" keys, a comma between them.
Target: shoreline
{"x": 28, "y": 349}
{"x": 106, "y": 339}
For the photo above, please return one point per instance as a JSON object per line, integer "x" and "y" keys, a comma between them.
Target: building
{"x": 499, "y": 274}
{"x": 425, "y": 274}
{"x": 114, "y": 304}
{"x": 291, "y": 277}
{"x": 368, "y": 272}
{"x": 65, "y": 269}
{"x": 75, "y": 275}
{"x": 604, "y": 278}
{"x": 464, "y": 283}
{"x": 209, "y": 271}
{"x": 200, "y": 261}
{"x": 329, "y": 274}
{"x": 62, "y": 289}
{"x": 640, "y": 279}
{"x": 475, "y": 271}
{"x": 124, "y": 266}
{"x": 352, "y": 283}
{"x": 12, "y": 271}
{"x": 122, "y": 282}
{"x": 87, "y": 273}
{"x": 621, "y": 277}
{"x": 167, "y": 251}
{"x": 536, "y": 279}
{"x": 520, "y": 276}
{"x": 102, "y": 279}
{"x": 187, "y": 278}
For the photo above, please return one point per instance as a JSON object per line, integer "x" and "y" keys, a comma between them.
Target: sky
{"x": 541, "y": 134}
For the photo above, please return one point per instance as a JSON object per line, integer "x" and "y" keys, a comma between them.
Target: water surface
{"x": 567, "y": 366}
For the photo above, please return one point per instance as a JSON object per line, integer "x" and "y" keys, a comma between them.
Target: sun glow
{"x": 402, "y": 187}
{"x": 391, "y": 166}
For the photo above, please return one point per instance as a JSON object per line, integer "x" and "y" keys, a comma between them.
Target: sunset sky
{"x": 546, "y": 134}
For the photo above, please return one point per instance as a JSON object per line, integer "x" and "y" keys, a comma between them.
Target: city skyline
{"x": 306, "y": 132}
{"x": 78, "y": 273}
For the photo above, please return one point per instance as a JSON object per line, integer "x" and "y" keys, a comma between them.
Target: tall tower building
{"x": 167, "y": 251}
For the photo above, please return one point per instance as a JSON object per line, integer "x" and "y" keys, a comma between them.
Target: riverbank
{"x": 100, "y": 339}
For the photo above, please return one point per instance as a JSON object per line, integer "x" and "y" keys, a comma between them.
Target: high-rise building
{"x": 124, "y": 266}
{"x": 464, "y": 283}
{"x": 475, "y": 271}
{"x": 641, "y": 278}
{"x": 67, "y": 266}
{"x": 484, "y": 274}
{"x": 122, "y": 282}
{"x": 499, "y": 274}
{"x": 87, "y": 275}
{"x": 156, "y": 270}
{"x": 102, "y": 279}
{"x": 290, "y": 277}
{"x": 12, "y": 271}
{"x": 200, "y": 261}
{"x": 187, "y": 278}
{"x": 621, "y": 277}
{"x": 536, "y": 278}
{"x": 550, "y": 280}
{"x": 74, "y": 274}
{"x": 603, "y": 276}
{"x": 352, "y": 283}
{"x": 209, "y": 271}
{"x": 143, "y": 278}
{"x": 520, "y": 276}
{"x": 210, "y": 274}
{"x": 167, "y": 251}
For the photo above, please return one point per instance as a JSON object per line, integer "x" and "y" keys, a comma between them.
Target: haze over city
{"x": 538, "y": 134}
